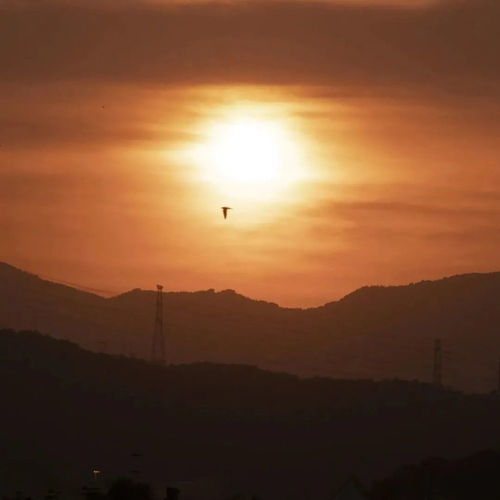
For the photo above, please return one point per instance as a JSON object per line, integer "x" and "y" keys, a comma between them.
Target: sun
{"x": 250, "y": 155}
{"x": 248, "y": 151}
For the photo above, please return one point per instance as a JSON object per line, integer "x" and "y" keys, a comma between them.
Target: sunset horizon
{"x": 105, "y": 292}
{"x": 349, "y": 151}
{"x": 250, "y": 249}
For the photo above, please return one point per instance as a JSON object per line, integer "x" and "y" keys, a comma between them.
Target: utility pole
{"x": 437, "y": 378}
{"x": 158, "y": 344}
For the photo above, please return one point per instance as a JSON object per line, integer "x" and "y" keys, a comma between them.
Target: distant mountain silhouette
{"x": 375, "y": 332}
{"x": 229, "y": 428}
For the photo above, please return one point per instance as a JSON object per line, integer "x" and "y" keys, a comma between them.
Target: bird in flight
{"x": 225, "y": 210}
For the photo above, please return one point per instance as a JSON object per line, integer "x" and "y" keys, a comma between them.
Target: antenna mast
{"x": 158, "y": 344}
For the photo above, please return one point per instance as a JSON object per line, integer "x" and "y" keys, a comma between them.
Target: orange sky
{"x": 390, "y": 118}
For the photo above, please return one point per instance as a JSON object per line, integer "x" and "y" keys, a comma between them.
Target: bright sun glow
{"x": 249, "y": 151}
{"x": 248, "y": 155}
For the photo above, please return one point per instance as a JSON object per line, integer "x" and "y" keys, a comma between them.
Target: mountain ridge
{"x": 374, "y": 332}
{"x": 228, "y": 291}
{"x": 456, "y": 278}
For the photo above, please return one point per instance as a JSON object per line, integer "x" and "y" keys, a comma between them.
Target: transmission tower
{"x": 158, "y": 344}
{"x": 437, "y": 378}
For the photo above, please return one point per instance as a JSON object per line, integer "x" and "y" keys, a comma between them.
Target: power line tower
{"x": 158, "y": 344}
{"x": 437, "y": 376}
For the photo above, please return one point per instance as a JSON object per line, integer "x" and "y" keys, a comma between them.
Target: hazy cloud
{"x": 451, "y": 45}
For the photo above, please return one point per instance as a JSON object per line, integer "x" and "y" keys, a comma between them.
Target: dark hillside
{"x": 474, "y": 476}
{"x": 67, "y": 411}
